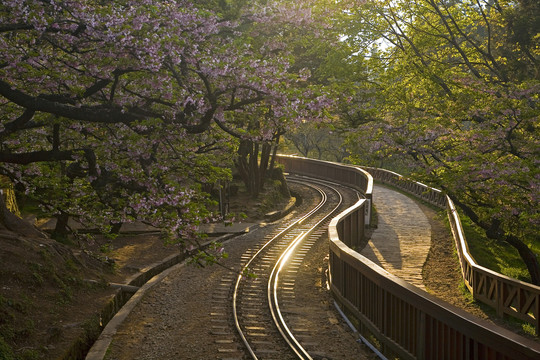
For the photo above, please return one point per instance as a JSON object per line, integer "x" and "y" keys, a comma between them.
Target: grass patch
{"x": 374, "y": 219}
{"x": 497, "y": 256}
{"x": 6, "y": 353}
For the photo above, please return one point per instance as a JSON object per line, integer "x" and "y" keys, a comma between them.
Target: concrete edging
{"x": 101, "y": 345}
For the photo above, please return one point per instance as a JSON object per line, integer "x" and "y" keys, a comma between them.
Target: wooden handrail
{"x": 505, "y": 294}
{"x": 407, "y": 320}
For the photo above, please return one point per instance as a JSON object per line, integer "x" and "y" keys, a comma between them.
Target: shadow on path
{"x": 401, "y": 242}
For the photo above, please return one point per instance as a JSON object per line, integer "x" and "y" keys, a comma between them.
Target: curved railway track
{"x": 268, "y": 319}
{"x": 290, "y": 258}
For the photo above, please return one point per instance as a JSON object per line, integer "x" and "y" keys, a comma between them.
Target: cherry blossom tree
{"x": 259, "y": 129}
{"x": 114, "y": 112}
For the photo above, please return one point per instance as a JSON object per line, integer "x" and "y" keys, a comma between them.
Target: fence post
{"x": 537, "y": 314}
{"x": 355, "y": 241}
{"x": 499, "y": 288}
{"x": 421, "y": 339}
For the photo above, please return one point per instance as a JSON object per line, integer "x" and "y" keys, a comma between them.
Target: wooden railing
{"x": 504, "y": 294}
{"x": 406, "y": 320}
{"x": 349, "y": 175}
{"x": 424, "y": 192}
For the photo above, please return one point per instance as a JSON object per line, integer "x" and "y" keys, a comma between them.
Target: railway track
{"x": 270, "y": 319}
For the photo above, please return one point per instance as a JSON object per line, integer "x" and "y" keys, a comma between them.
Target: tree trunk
{"x": 251, "y": 169}
{"x": 277, "y": 174}
{"x": 274, "y": 152}
{"x": 529, "y": 258}
{"x": 254, "y": 170}
{"x": 263, "y": 167}
{"x": 242, "y": 163}
{"x": 247, "y": 166}
{"x": 60, "y": 232}
{"x": 115, "y": 228}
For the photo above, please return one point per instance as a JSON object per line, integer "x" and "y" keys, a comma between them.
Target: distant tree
{"x": 329, "y": 62}
{"x": 319, "y": 141}
{"x": 305, "y": 138}
{"x": 259, "y": 130}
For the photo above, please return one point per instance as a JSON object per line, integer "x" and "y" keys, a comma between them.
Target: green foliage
{"x": 271, "y": 197}
{"x": 317, "y": 141}
{"x": 13, "y": 323}
{"x": 106, "y": 248}
{"x": 18, "y": 305}
{"x": 210, "y": 255}
{"x": 38, "y": 278}
{"x": 466, "y": 293}
{"x": 31, "y": 354}
{"x": 249, "y": 273}
{"x": 93, "y": 327}
{"x": 177, "y": 87}
{"x": 454, "y": 110}
{"x": 529, "y": 329}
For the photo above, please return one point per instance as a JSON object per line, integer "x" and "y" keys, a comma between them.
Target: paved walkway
{"x": 401, "y": 242}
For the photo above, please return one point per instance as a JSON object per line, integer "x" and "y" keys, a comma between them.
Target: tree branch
{"x": 14, "y": 27}
{"x": 19, "y": 123}
{"x": 98, "y": 114}
{"x": 37, "y": 156}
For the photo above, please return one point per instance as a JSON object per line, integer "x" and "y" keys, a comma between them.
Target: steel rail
{"x": 245, "y": 268}
{"x": 273, "y": 283}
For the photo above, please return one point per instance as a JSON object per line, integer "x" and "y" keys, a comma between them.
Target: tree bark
{"x": 98, "y": 114}
{"x": 274, "y": 153}
{"x": 254, "y": 170}
{"x": 115, "y": 228}
{"x": 242, "y": 163}
{"x": 263, "y": 167}
{"x": 251, "y": 169}
{"x": 61, "y": 230}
